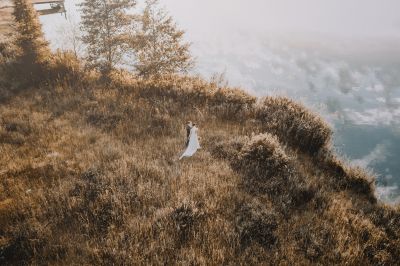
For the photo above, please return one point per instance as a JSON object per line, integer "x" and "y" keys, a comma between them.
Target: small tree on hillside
{"x": 158, "y": 43}
{"x": 105, "y": 25}
{"x": 34, "y": 50}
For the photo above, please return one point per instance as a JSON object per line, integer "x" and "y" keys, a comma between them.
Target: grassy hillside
{"x": 89, "y": 175}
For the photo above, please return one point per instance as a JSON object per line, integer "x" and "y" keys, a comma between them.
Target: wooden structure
{"x": 7, "y": 23}
{"x": 56, "y": 6}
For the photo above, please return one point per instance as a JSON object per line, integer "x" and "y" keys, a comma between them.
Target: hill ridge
{"x": 89, "y": 173}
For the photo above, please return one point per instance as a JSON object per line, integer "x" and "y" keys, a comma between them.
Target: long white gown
{"x": 193, "y": 145}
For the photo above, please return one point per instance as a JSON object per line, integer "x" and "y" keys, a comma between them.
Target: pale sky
{"x": 337, "y": 17}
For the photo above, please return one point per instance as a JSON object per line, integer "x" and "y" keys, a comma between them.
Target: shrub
{"x": 232, "y": 104}
{"x": 229, "y": 150}
{"x": 266, "y": 170}
{"x": 293, "y": 124}
{"x": 185, "y": 219}
{"x": 65, "y": 67}
{"x": 346, "y": 177}
{"x": 255, "y": 223}
{"x": 262, "y": 158}
{"x": 121, "y": 79}
{"x": 180, "y": 224}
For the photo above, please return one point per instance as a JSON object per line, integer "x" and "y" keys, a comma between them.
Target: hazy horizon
{"x": 355, "y": 18}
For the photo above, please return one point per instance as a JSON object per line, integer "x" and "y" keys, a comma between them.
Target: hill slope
{"x": 89, "y": 172}
{"x": 90, "y": 175}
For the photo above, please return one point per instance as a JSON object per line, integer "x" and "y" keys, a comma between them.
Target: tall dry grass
{"x": 89, "y": 175}
{"x": 294, "y": 124}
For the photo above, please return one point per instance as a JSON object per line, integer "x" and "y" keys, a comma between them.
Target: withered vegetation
{"x": 89, "y": 175}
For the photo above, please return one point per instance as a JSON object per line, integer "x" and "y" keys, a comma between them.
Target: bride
{"x": 193, "y": 145}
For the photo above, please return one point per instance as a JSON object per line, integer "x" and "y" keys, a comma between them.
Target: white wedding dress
{"x": 193, "y": 145}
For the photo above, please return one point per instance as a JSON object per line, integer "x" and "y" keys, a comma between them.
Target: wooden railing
{"x": 37, "y": 2}
{"x": 57, "y": 6}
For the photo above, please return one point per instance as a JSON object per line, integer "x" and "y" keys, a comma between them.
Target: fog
{"x": 355, "y": 18}
{"x": 341, "y": 58}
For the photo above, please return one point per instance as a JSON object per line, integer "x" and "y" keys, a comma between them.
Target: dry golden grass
{"x": 89, "y": 174}
{"x": 293, "y": 124}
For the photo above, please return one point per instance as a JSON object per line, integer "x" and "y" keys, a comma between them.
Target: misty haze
{"x": 342, "y": 58}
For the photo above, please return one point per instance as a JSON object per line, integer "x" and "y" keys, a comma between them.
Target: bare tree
{"x": 158, "y": 43}
{"x": 71, "y": 37}
{"x": 105, "y": 25}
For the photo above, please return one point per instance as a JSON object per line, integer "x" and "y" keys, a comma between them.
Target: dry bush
{"x": 122, "y": 79}
{"x": 262, "y": 158}
{"x": 185, "y": 220}
{"x": 346, "y": 177}
{"x": 11, "y": 138}
{"x": 384, "y": 216}
{"x": 94, "y": 209}
{"x": 223, "y": 149}
{"x": 65, "y": 68}
{"x": 373, "y": 229}
{"x": 82, "y": 209}
{"x": 232, "y": 104}
{"x": 256, "y": 223}
{"x": 117, "y": 113}
{"x": 17, "y": 125}
{"x": 293, "y": 124}
{"x": 267, "y": 171}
